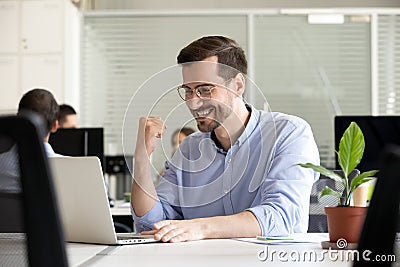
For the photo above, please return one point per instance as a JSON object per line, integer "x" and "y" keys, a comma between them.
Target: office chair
{"x": 10, "y": 195}
{"x": 317, "y": 218}
{"x": 379, "y": 231}
{"x": 121, "y": 227}
{"x": 44, "y": 243}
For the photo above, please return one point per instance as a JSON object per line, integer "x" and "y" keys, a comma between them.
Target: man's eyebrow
{"x": 184, "y": 85}
{"x": 202, "y": 84}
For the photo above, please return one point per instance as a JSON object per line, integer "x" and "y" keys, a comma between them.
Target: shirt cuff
{"x": 146, "y": 222}
{"x": 259, "y": 213}
{"x": 269, "y": 226}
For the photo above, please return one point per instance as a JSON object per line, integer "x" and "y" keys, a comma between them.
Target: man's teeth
{"x": 203, "y": 113}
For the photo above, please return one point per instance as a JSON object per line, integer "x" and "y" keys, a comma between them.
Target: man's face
{"x": 209, "y": 112}
{"x": 70, "y": 122}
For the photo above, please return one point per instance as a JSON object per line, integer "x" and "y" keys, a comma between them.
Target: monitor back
{"x": 378, "y": 131}
{"x": 79, "y": 142}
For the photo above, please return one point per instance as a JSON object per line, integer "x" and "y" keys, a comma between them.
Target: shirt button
{"x": 226, "y": 191}
{"x": 229, "y": 160}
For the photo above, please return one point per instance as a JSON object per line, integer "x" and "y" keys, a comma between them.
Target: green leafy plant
{"x": 351, "y": 150}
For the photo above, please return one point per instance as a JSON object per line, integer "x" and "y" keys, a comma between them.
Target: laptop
{"x": 83, "y": 203}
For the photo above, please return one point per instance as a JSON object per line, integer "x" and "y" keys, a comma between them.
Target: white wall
{"x": 39, "y": 48}
{"x": 72, "y": 56}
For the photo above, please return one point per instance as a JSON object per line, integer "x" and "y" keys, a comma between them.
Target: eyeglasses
{"x": 203, "y": 91}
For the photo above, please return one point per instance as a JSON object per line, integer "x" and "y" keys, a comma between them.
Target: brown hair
{"x": 42, "y": 102}
{"x": 65, "y": 110}
{"x": 227, "y": 50}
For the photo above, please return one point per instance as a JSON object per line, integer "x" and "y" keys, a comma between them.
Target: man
{"x": 43, "y": 103}
{"x": 237, "y": 177}
{"x": 67, "y": 117}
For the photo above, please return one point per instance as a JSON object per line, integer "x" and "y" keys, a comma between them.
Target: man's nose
{"x": 195, "y": 102}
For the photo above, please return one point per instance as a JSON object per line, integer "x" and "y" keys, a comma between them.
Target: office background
{"x": 94, "y": 55}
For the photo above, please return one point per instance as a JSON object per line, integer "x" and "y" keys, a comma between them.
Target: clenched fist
{"x": 150, "y": 129}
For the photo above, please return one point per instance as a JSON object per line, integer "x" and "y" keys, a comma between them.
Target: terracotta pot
{"x": 345, "y": 222}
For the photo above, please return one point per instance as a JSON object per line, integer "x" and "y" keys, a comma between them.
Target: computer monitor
{"x": 378, "y": 131}
{"x": 79, "y": 142}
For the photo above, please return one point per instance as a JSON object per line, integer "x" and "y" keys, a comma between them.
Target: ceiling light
{"x": 326, "y": 19}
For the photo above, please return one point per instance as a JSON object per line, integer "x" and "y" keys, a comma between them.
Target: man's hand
{"x": 150, "y": 129}
{"x": 178, "y": 231}
{"x": 243, "y": 224}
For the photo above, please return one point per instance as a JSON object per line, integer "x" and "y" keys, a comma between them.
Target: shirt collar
{"x": 251, "y": 125}
{"x": 49, "y": 150}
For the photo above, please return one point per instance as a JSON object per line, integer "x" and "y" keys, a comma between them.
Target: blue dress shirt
{"x": 259, "y": 173}
{"x": 9, "y": 168}
{"x": 50, "y": 152}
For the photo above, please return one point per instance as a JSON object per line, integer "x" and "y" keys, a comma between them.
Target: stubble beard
{"x": 221, "y": 112}
{"x": 204, "y": 127}
{"x": 214, "y": 123}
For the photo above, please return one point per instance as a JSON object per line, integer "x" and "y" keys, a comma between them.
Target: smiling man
{"x": 238, "y": 176}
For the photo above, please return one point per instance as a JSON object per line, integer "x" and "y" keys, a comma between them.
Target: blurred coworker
{"x": 43, "y": 103}
{"x": 67, "y": 117}
{"x": 178, "y": 136}
{"x": 176, "y": 139}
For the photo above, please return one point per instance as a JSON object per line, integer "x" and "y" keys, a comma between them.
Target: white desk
{"x": 121, "y": 208}
{"x": 203, "y": 253}
{"x": 81, "y": 253}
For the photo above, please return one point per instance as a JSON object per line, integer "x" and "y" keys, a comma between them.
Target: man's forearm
{"x": 143, "y": 191}
{"x": 243, "y": 224}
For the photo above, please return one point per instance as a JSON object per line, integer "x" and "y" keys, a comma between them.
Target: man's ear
{"x": 240, "y": 81}
{"x": 54, "y": 127}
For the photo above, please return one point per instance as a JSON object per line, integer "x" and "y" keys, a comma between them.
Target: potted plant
{"x": 345, "y": 221}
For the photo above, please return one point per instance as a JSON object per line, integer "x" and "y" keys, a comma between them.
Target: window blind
{"x": 389, "y": 64}
{"x": 314, "y": 71}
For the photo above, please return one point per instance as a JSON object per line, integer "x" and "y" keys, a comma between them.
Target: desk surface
{"x": 218, "y": 252}
{"x": 121, "y": 208}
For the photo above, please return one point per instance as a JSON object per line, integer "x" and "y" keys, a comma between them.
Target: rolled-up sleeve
{"x": 285, "y": 193}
